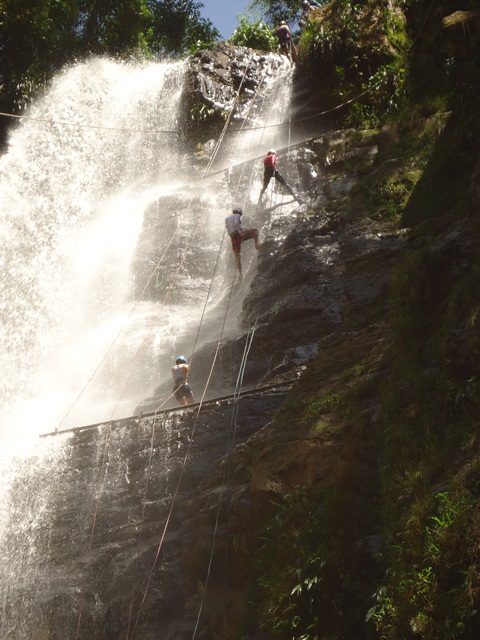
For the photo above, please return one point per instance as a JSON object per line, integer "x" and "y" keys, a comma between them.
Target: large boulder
{"x": 222, "y": 82}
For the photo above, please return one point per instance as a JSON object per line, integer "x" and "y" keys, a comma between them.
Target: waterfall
{"x": 101, "y": 146}
{"x": 99, "y": 157}
{"x": 72, "y": 202}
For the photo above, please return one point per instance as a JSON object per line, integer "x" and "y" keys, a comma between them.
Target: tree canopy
{"x": 277, "y": 10}
{"x": 37, "y": 37}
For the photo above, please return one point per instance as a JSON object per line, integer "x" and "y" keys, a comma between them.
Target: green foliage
{"x": 387, "y": 88}
{"x": 319, "y": 44}
{"x": 277, "y": 10}
{"x": 388, "y": 196}
{"x": 396, "y": 31}
{"x": 319, "y": 406}
{"x": 371, "y": 86}
{"x": 299, "y": 570}
{"x": 425, "y": 432}
{"x": 254, "y": 34}
{"x": 424, "y": 592}
{"x": 201, "y": 114}
{"x": 334, "y": 49}
{"x": 177, "y": 27}
{"x": 39, "y": 36}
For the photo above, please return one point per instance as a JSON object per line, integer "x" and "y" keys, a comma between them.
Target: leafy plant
{"x": 424, "y": 593}
{"x": 39, "y": 37}
{"x": 255, "y": 34}
{"x": 302, "y": 577}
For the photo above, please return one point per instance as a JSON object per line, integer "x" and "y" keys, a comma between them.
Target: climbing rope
{"x": 226, "y": 474}
{"x": 191, "y": 437}
{"x": 188, "y": 448}
{"x": 85, "y": 126}
{"x": 142, "y": 521}
{"x": 102, "y": 472}
{"x": 154, "y": 271}
{"x": 106, "y": 441}
{"x": 100, "y": 480}
{"x": 180, "y": 477}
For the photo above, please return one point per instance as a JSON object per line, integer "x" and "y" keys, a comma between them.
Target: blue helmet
{"x": 180, "y": 360}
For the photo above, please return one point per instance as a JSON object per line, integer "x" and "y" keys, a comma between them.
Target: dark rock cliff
{"x": 174, "y": 558}
{"x": 318, "y": 294}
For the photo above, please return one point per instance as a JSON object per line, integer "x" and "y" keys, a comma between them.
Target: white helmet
{"x": 237, "y": 209}
{"x": 272, "y": 151}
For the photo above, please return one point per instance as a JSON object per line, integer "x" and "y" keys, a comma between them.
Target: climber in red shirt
{"x": 270, "y": 171}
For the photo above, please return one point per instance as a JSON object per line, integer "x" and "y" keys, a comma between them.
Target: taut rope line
{"x": 180, "y": 477}
{"x": 226, "y": 474}
{"x": 200, "y": 404}
{"x": 102, "y": 472}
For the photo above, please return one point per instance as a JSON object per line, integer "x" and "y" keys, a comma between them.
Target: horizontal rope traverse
{"x": 173, "y": 131}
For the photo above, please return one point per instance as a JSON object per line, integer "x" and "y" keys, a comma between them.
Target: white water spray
{"x": 100, "y": 146}
{"x": 76, "y": 344}
{"x": 72, "y": 202}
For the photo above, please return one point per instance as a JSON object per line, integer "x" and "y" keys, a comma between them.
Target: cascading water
{"x": 101, "y": 152}
{"x": 73, "y": 200}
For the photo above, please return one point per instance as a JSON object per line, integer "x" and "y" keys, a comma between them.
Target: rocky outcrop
{"x": 222, "y": 82}
{"x": 321, "y": 271}
{"x": 460, "y": 29}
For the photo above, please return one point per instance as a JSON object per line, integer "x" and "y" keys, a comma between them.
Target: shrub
{"x": 256, "y": 35}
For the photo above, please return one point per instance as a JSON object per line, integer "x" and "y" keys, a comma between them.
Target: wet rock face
{"x": 322, "y": 269}
{"x": 221, "y": 80}
{"x": 124, "y": 548}
{"x": 321, "y": 274}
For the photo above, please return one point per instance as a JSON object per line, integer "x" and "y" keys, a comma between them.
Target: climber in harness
{"x": 181, "y": 389}
{"x": 270, "y": 171}
{"x": 238, "y": 235}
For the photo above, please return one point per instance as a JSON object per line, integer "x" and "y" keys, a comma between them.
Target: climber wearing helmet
{"x": 181, "y": 389}
{"x": 307, "y": 8}
{"x": 270, "y": 171}
{"x": 239, "y": 235}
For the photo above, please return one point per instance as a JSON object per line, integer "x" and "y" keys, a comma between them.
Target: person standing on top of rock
{"x": 270, "y": 171}
{"x": 238, "y": 234}
{"x": 306, "y": 9}
{"x": 284, "y": 36}
{"x": 287, "y": 48}
{"x": 181, "y": 389}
